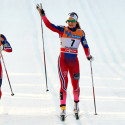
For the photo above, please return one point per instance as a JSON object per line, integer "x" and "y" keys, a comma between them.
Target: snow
{"x": 103, "y": 22}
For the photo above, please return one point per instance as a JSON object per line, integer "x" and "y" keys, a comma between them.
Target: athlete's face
{"x": 71, "y": 23}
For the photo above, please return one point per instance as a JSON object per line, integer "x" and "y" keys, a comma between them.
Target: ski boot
{"x": 76, "y": 109}
{"x": 63, "y": 113}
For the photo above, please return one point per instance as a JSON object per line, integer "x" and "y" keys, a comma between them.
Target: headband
{"x": 73, "y": 16}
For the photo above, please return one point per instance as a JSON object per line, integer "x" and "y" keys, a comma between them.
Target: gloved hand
{"x": 90, "y": 58}
{"x": 39, "y": 8}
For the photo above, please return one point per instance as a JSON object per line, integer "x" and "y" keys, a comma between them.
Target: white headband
{"x": 73, "y": 16}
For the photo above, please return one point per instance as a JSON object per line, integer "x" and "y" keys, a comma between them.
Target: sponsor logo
{"x": 61, "y": 96}
{"x": 76, "y": 76}
{"x": 85, "y": 42}
{"x": 73, "y": 36}
{"x": 68, "y": 34}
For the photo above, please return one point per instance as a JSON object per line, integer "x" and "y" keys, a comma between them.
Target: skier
{"x": 4, "y": 46}
{"x": 70, "y": 38}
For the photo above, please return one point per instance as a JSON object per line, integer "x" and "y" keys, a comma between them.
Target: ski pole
{"x": 44, "y": 57}
{"x": 12, "y": 94}
{"x": 93, "y": 87}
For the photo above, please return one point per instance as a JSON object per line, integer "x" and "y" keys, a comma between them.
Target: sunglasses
{"x": 71, "y": 21}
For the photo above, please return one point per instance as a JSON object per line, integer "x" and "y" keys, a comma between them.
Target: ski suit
{"x": 68, "y": 61}
{"x": 7, "y": 48}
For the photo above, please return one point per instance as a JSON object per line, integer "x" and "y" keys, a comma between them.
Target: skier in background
{"x": 70, "y": 38}
{"x": 4, "y": 46}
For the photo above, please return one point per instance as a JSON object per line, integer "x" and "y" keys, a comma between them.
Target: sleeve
{"x": 54, "y": 28}
{"x": 6, "y": 46}
{"x": 85, "y": 45}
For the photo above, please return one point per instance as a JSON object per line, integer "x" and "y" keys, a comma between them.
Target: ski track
{"x": 31, "y": 103}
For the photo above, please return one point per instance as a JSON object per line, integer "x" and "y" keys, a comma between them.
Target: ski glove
{"x": 90, "y": 58}
{"x": 39, "y": 8}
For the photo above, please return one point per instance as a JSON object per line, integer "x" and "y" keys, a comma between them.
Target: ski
{"x": 62, "y": 117}
{"x": 76, "y": 116}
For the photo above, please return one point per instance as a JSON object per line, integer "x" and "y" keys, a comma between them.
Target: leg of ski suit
{"x": 63, "y": 75}
{"x": 65, "y": 65}
{"x": 74, "y": 74}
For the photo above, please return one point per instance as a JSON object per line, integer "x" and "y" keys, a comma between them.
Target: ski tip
{"x": 77, "y": 116}
{"x": 62, "y": 117}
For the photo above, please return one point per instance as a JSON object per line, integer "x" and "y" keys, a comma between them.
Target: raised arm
{"x": 53, "y": 27}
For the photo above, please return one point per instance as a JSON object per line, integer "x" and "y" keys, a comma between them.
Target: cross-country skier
{"x": 70, "y": 38}
{"x": 4, "y": 46}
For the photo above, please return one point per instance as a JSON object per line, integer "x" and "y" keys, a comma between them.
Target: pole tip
{"x": 47, "y": 90}
{"x": 12, "y": 94}
{"x": 96, "y": 114}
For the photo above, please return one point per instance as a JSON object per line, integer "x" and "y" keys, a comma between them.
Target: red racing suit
{"x": 7, "y": 48}
{"x": 68, "y": 61}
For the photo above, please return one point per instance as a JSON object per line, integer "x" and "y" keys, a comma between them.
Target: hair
{"x": 78, "y": 25}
